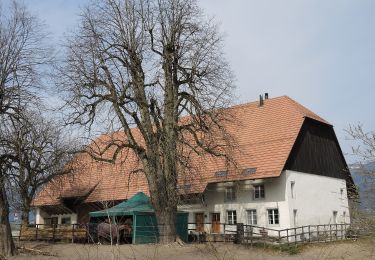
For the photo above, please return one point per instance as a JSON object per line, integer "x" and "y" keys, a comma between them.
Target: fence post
{"x": 325, "y": 233}
{"x": 73, "y": 233}
{"x": 53, "y": 232}
{"x": 287, "y": 235}
{"x": 330, "y": 232}
{"x": 36, "y": 232}
{"x": 239, "y": 233}
{"x": 342, "y": 233}
{"x": 336, "y": 232}
{"x": 295, "y": 236}
{"x": 309, "y": 233}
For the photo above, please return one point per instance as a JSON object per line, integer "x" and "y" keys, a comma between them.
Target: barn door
{"x": 215, "y": 222}
{"x": 199, "y": 220}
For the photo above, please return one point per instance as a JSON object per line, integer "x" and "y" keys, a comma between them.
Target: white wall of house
{"x": 314, "y": 201}
{"x": 275, "y": 198}
{"x": 315, "y": 198}
{"x": 41, "y": 215}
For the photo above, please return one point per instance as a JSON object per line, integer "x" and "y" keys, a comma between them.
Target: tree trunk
{"x": 25, "y": 211}
{"x": 166, "y": 219}
{"x": 25, "y": 217}
{"x": 164, "y": 200}
{"x": 7, "y": 247}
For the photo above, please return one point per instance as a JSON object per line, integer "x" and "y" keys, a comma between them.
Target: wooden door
{"x": 199, "y": 220}
{"x": 215, "y": 222}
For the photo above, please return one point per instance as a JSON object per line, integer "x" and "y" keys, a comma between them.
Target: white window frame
{"x": 232, "y": 217}
{"x": 230, "y": 194}
{"x": 272, "y": 217}
{"x": 260, "y": 191}
{"x": 292, "y": 189}
{"x": 252, "y": 217}
{"x": 334, "y": 217}
{"x": 295, "y": 217}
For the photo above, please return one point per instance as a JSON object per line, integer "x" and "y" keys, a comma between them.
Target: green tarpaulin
{"x": 145, "y": 228}
{"x": 139, "y": 202}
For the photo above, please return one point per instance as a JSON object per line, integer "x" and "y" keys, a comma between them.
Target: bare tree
{"x": 41, "y": 152}
{"x": 156, "y": 69}
{"x": 22, "y": 54}
{"x": 364, "y": 206}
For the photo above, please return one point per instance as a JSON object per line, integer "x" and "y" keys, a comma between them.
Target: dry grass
{"x": 361, "y": 249}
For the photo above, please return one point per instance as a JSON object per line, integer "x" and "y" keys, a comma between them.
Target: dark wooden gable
{"x": 317, "y": 151}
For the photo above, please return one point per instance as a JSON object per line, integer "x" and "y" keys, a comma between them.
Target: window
{"x": 344, "y": 216}
{"x": 66, "y": 221}
{"x": 249, "y": 171}
{"x": 259, "y": 191}
{"x": 232, "y": 217}
{"x": 221, "y": 174}
{"x": 252, "y": 217}
{"x": 295, "y": 217}
{"x": 292, "y": 183}
{"x": 273, "y": 216}
{"x": 335, "y": 217}
{"x": 342, "y": 192}
{"x": 51, "y": 221}
{"x": 230, "y": 194}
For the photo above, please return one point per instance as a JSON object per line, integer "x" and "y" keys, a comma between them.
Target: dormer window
{"x": 249, "y": 171}
{"x": 221, "y": 174}
{"x": 259, "y": 192}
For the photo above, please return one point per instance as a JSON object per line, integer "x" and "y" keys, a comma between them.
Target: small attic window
{"x": 249, "y": 171}
{"x": 221, "y": 174}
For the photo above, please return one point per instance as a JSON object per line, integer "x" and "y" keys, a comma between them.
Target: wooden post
{"x": 53, "y": 232}
{"x": 287, "y": 235}
{"x": 251, "y": 235}
{"x": 342, "y": 233}
{"x": 325, "y": 233}
{"x": 295, "y": 235}
{"x": 73, "y": 233}
{"x": 225, "y": 238}
{"x": 330, "y": 232}
{"x": 317, "y": 232}
{"x": 279, "y": 238}
{"x": 336, "y": 232}
{"x": 239, "y": 233}
{"x": 36, "y": 232}
{"x": 309, "y": 233}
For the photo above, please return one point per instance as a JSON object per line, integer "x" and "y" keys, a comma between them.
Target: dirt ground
{"x": 360, "y": 249}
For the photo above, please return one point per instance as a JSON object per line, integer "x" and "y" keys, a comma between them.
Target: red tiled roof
{"x": 265, "y": 136}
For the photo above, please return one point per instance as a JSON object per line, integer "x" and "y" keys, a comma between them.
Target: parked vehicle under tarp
{"x": 144, "y": 225}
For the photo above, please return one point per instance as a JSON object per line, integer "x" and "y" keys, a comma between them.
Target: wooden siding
{"x": 317, "y": 151}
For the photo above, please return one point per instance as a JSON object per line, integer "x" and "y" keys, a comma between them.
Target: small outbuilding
{"x": 138, "y": 210}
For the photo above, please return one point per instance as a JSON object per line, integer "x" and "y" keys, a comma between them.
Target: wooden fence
{"x": 249, "y": 234}
{"x": 53, "y": 232}
{"x": 237, "y": 233}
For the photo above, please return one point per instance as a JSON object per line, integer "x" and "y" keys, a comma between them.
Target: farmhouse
{"x": 290, "y": 172}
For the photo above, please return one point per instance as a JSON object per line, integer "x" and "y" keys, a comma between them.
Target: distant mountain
{"x": 364, "y": 177}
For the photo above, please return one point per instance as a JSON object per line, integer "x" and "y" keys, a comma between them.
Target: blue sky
{"x": 321, "y": 53}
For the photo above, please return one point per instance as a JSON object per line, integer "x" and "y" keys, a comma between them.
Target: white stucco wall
{"x": 40, "y": 215}
{"x": 214, "y": 202}
{"x": 316, "y": 198}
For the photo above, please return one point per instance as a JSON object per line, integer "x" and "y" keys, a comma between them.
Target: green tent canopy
{"x": 145, "y": 228}
{"x": 138, "y": 203}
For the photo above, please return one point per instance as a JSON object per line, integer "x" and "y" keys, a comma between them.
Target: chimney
{"x": 261, "y": 102}
{"x": 265, "y": 96}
